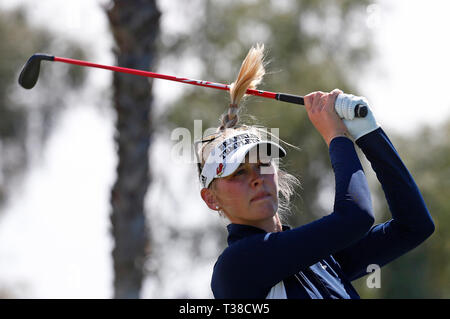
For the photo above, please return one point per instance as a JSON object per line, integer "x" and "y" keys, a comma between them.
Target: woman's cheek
{"x": 234, "y": 191}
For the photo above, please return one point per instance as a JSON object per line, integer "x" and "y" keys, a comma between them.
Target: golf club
{"x": 30, "y": 74}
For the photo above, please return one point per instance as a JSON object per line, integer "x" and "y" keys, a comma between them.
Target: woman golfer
{"x": 241, "y": 179}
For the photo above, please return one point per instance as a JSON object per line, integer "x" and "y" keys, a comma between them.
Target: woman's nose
{"x": 256, "y": 176}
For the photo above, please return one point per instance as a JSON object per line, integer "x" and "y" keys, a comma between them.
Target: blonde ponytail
{"x": 250, "y": 75}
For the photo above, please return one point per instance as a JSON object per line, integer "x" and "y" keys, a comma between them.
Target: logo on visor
{"x": 203, "y": 178}
{"x": 219, "y": 169}
{"x": 235, "y": 142}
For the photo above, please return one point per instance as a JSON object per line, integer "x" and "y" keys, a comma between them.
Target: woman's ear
{"x": 209, "y": 198}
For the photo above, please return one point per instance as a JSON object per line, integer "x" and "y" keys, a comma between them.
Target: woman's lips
{"x": 260, "y": 197}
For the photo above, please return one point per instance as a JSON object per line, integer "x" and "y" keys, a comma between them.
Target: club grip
{"x": 360, "y": 109}
{"x": 296, "y": 99}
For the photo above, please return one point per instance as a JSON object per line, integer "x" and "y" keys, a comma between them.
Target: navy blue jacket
{"x": 321, "y": 258}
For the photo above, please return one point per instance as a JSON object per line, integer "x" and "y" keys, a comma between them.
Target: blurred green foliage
{"x": 27, "y": 117}
{"x": 311, "y": 45}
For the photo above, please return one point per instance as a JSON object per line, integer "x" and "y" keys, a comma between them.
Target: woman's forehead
{"x": 252, "y": 158}
{"x": 258, "y": 161}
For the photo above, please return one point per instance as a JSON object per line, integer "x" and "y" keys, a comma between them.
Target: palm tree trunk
{"x": 135, "y": 26}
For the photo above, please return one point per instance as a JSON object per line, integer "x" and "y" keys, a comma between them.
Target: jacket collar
{"x": 238, "y": 231}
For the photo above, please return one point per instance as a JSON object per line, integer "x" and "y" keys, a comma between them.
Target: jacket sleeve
{"x": 411, "y": 222}
{"x": 256, "y": 263}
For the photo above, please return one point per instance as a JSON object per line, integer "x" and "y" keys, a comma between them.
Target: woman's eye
{"x": 240, "y": 172}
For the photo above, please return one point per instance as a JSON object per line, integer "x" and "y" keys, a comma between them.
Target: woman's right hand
{"x": 322, "y": 114}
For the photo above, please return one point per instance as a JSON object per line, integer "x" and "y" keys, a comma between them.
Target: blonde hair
{"x": 250, "y": 75}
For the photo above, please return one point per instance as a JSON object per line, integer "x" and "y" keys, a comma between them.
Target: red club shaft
{"x": 149, "y": 74}
{"x": 30, "y": 73}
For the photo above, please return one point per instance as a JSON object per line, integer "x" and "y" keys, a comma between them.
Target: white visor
{"x": 226, "y": 157}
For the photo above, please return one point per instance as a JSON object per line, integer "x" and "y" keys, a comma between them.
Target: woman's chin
{"x": 265, "y": 208}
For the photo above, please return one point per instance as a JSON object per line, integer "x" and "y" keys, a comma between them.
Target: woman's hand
{"x": 322, "y": 114}
{"x": 357, "y": 127}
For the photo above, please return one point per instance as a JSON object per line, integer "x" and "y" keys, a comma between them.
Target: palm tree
{"x": 135, "y": 26}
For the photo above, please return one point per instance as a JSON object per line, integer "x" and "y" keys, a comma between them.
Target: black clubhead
{"x": 30, "y": 71}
